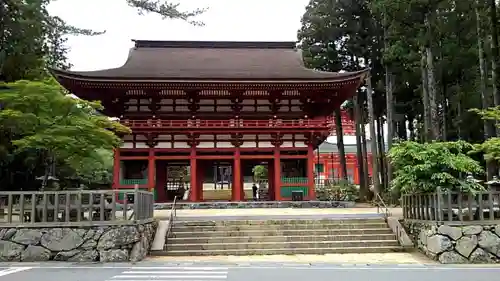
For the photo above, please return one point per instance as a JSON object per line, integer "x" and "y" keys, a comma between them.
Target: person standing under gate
{"x": 254, "y": 191}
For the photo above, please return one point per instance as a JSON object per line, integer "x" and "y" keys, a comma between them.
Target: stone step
{"x": 282, "y": 245}
{"x": 375, "y": 225}
{"x": 282, "y": 251}
{"x": 290, "y": 232}
{"x": 279, "y": 239}
{"x": 275, "y": 222}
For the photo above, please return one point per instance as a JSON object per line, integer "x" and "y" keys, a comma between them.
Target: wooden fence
{"x": 452, "y": 206}
{"x": 74, "y": 208}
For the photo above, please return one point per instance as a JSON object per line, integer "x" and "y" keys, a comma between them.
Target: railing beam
{"x": 234, "y": 123}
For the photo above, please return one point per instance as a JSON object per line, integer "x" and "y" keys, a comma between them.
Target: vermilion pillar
{"x": 193, "y": 195}
{"x": 161, "y": 179}
{"x": 116, "y": 168}
{"x": 242, "y": 185}
{"x": 200, "y": 178}
{"x": 237, "y": 190}
{"x": 151, "y": 169}
{"x": 277, "y": 175}
{"x": 270, "y": 181}
{"x": 310, "y": 173}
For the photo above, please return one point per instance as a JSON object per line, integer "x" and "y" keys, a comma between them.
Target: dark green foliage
{"x": 46, "y": 126}
{"x": 423, "y": 167}
{"x": 260, "y": 173}
{"x": 42, "y": 131}
{"x": 340, "y": 191}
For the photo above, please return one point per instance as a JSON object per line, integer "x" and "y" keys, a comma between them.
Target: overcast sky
{"x": 232, "y": 20}
{"x": 225, "y": 20}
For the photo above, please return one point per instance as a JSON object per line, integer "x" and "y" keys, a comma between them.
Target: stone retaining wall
{"x": 84, "y": 244}
{"x": 457, "y": 244}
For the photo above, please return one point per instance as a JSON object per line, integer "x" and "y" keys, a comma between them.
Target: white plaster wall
{"x": 181, "y": 145}
{"x": 249, "y": 144}
{"x": 265, "y": 144}
{"x": 127, "y": 145}
{"x": 300, "y": 144}
{"x": 224, "y": 144}
{"x": 206, "y": 144}
{"x": 164, "y": 145}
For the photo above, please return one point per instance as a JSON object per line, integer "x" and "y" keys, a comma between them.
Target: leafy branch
{"x": 167, "y": 10}
{"x": 422, "y": 167}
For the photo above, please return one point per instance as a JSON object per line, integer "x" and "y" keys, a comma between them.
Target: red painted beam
{"x": 214, "y": 157}
{"x": 284, "y": 156}
{"x": 134, "y": 157}
{"x": 257, "y": 157}
{"x": 173, "y": 157}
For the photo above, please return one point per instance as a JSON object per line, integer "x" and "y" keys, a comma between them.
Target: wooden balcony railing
{"x": 232, "y": 123}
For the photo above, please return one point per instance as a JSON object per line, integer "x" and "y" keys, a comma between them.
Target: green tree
{"x": 260, "y": 173}
{"x": 92, "y": 172}
{"x": 490, "y": 148}
{"x": 31, "y": 38}
{"x": 39, "y": 117}
{"x": 30, "y": 41}
{"x": 345, "y": 35}
{"x": 440, "y": 60}
{"x": 422, "y": 167}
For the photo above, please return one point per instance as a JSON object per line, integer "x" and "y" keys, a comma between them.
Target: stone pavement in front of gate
{"x": 275, "y": 212}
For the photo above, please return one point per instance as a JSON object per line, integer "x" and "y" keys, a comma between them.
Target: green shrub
{"x": 341, "y": 191}
{"x": 422, "y": 167}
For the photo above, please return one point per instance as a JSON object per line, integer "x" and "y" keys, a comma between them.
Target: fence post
{"x": 136, "y": 203}
{"x": 151, "y": 206}
{"x": 403, "y": 207}
{"x": 439, "y": 205}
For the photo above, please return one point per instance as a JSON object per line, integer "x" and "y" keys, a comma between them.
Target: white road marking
{"x": 175, "y": 267}
{"x": 172, "y": 273}
{"x": 181, "y": 276}
{"x": 12, "y": 270}
{"x": 312, "y": 266}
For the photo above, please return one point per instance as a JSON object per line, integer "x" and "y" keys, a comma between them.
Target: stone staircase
{"x": 280, "y": 237}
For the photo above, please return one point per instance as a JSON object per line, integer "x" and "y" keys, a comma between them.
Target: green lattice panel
{"x": 294, "y": 180}
{"x": 133, "y": 181}
{"x": 121, "y": 194}
{"x": 286, "y": 191}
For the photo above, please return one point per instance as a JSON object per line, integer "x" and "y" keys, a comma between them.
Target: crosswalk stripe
{"x": 170, "y": 267}
{"x": 174, "y": 272}
{"x": 170, "y": 276}
{"x": 12, "y": 270}
{"x": 171, "y": 273}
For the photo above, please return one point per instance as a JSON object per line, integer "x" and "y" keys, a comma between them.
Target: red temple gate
{"x": 196, "y": 105}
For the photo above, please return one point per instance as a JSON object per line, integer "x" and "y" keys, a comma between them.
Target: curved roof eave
{"x": 326, "y": 77}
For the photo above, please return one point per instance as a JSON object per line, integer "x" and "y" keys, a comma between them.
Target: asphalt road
{"x": 243, "y": 272}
